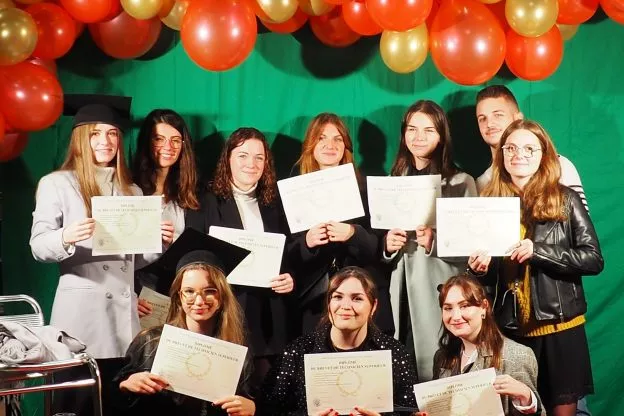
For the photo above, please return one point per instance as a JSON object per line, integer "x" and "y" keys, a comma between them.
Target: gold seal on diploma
{"x": 198, "y": 365}
{"x": 349, "y": 382}
{"x": 128, "y": 223}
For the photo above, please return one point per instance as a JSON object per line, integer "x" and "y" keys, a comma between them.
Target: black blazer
{"x": 265, "y": 311}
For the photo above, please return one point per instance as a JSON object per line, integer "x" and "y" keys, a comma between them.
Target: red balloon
{"x": 356, "y": 16}
{"x": 433, "y": 13}
{"x": 466, "y": 41}
{"x": 336, "y": 1}
{"x": 56, "y": 29}
{"x": 31, "y": 98}
{"x": 399, "y": 15}
{"x": 12, "y": 145}
{"x": 89, "y": 11}
{"x": 48, "y": 64}
{"x": 219, "y": 34}
{"x": 614, "y": 9}
{"x": 499, "y": 12}
{"x": 289, "y": 26}
{"x": 575, "y": 12}
{"x": 79, "y": 28}
{"x": 534, "y": 59}
{"x": 125, "y": 37}
{"x": 332, "y": 30}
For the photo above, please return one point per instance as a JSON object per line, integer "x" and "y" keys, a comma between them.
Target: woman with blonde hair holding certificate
{"x": 347, "y": 326}
{"x": 201, "y": 302}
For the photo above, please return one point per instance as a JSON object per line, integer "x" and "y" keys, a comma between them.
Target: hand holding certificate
{"x": 126, "y": 224}
{"x": 469, "y": 394}
{"x": 264, "y": 261}
{"x": 160, "y": 308}
{"x": 344, "y": 380}
{"x": 198, "y": 365}
{"x": 403, "y": 202}
{"x": 465, "y": 225}
{"x": 321, "y": 196}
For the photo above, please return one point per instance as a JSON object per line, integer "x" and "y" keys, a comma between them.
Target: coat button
{"x": 124, "y": 268}
{"x": 125, "y": 294}
{"x": 109, "y": 295}
{"x": 105, "y": 267}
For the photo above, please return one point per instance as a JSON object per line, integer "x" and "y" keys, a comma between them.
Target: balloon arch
{"x": 469, "y": 40}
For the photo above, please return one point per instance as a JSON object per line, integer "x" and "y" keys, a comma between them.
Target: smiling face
{"x": 166, "y": 145}
{"x": 199, "y": 298}
{"x": 329, "y": 148}
{"x": 520, "y": 166}
{"x": 247, "y": 163}
{"x": 349, "y": 306}
{"x": 421, "y": 137}
{"x": 460, "y": 317}
{"x": 104, "y": 141}
{"x": 494, "y": 115}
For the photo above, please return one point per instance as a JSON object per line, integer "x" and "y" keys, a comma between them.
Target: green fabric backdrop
{"x": 289, "y": 79}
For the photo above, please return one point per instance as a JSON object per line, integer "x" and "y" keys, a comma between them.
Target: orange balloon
{"x": 575, "y": 12}
{"x": 534, "y": 59}
{"x": 48, "y": 64}
{"x": 614, "y": 9}
{"x": 125, "y": 37}
{"x": 289, "y": 26}
{"x": 356, "y": 16}
{"x": 12, "y": 145}
{"x": 466, "y": 41}
{"x": 31, "y": 98}
{"x": 499, "y": 12}
{"x": 219, "y": 34}
{"x": 57, "y": 30}
{"x": 399, "y": 15}
{"x": 432, "y": 14}
{"x": 89, "y": 11}
{"x": 332, "y": 30}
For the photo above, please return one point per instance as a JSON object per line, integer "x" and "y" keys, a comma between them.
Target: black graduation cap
{"x": 97, "y": 108}
{"x": 193, "y": 247}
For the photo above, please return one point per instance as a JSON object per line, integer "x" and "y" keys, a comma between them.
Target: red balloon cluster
{"x": 332, "y": 30}
{"x": 92, "y": 11}
{"x": 289, "y": 26}
{"x": 356, "y": 15}
{"x": 614, "y": 9}
{"x": 125, "y": 37}
{"x": 534, "y": 59}
{"x": 399, "y": 15}
{"x": 57, "y": 30}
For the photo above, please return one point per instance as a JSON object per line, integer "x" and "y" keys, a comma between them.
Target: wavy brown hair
{"x": 306, "y": 161}
{"x": 441, "y": 160}
{"x": 266, "y": 192}
{"x": 229, "y": 325}
{"x": 81, "y": 161}
{"x": 181, "y": 181}
{"x": 489, "y": 338}
{"x": 542, "y": 198}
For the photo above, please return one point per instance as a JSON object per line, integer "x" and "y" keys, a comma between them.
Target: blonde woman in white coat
{"x": 425, "y": 149}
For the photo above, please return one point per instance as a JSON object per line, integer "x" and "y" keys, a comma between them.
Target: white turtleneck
{"x": 104, "y": 179}
{"x": 248, "y": 208}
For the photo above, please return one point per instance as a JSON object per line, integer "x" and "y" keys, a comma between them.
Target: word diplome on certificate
{"x": 198, "y": 365}
{"x": 344, "y": 380}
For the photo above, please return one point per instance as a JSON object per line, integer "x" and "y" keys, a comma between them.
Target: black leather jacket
{"x": 563, "y": 252}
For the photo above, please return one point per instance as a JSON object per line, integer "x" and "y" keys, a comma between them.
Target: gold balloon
{"x": 4, "y": 4}
{"x": 142, "y": 9}
{"x": 278, "y": 11}
{"x": 531, "y": 18}
{"x": 315, "y": 7}
{"x": 18, "y": 36}
{"x": 174, "y": 18}
{"x": 404, "y": 52}
{"x": 567, "y": 31}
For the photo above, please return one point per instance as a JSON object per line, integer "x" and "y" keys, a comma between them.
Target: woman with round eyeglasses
{"x": 347, "y": 326}
{"x": 201, "y": 302}
{"x": 544, "y": 270}
{"x": 425, "y": 148}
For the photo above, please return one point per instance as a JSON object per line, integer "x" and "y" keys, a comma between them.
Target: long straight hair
{"x": 181, "y": 181}
{"x": 542, "y": 197}
{"x": 81, "y": 161}
{"x": 441, "y": 160}
{"x": 229, "y": 325}
{"x": 489, "y": 338}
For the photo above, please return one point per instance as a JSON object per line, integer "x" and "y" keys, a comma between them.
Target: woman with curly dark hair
{"x": 243, "y": 195}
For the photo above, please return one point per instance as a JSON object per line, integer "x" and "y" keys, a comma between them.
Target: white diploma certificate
{"x": 198, "y": 365}
{"x": 469, "y": 394}
{"x": 403, "y": 202}
{"x": 321, "y": 196}
{"x": 465, "y": 225}
{"x": 126, "y": 224}
{"x": 160, "y": 308}
{"x": 264, "y": 261}
{"x": 347, "y": 379}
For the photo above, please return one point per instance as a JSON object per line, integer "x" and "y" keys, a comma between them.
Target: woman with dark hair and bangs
{"x": 471, "y": 341}
{"x": 541, "y": 301}
{"x": 243, "y": 195}
{"x": 327, "y": 247}
{"x": 425, "y": 149}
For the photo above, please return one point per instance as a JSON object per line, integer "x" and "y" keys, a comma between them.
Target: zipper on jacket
{"x": 561, "y": 317}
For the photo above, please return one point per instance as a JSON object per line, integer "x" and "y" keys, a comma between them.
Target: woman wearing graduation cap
{"x": 201, "y": 302}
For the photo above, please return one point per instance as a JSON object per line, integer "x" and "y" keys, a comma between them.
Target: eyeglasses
{"x": 175, "y": 142}
{"x": 527, "y": 151}
{"x": 189, "y": 296}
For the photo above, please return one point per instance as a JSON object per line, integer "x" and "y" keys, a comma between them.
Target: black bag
{"x": 506, "y": 313}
